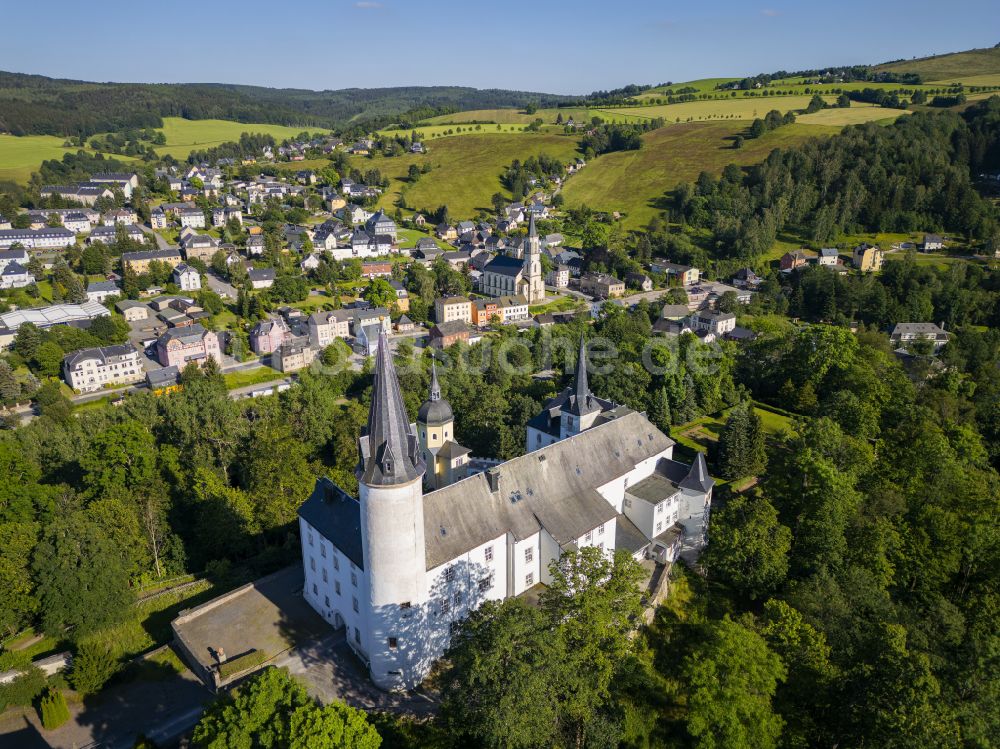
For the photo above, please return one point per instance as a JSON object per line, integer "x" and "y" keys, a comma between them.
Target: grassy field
{"x": 738, "y": 108}
{"x": 248, "y": 377}
{"x": 429, "y": 132}
{"x": 701, "y": 433}
{"x": 465, "y": 169}
{"x": 853, "y": 115}
{"x": 20, "y": 156}
{"x": 635, "y": 181}
{"x": 184, "y": 136}
{"x": 951, "y": 67}
{"x": 988, "y": 79}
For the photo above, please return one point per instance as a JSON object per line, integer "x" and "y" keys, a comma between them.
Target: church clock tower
{"x": 534, "y": 284}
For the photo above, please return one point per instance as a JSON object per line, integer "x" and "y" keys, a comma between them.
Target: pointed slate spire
{"x": 435, "y": 385}
{"x": 389, "y": 453}
{"x": 582, "y": 401}
{"x": 532, "y": 232}
{"x": 698, "y": 478}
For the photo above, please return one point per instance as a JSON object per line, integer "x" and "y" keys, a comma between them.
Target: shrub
{"x": 23, "y": 690}
{"x": 93, "y": 665}
{"x": 54, "y": 710}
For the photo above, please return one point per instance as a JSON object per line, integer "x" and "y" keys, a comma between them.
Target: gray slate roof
{"x": 554, "y": 487}
{"x": 337, "y": 516}
{"x": 389, "y": 454}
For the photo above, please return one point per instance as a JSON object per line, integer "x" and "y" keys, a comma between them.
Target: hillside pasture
{"x": 956, "y": 66}
{"x": 184, "y": 136}
{"x": 853, "y": 115}
{"x": 736, "y": 108}
{"x": 635, "y": 181}
{"x": 429, "y": 132}
{"x": 22, "y": 155}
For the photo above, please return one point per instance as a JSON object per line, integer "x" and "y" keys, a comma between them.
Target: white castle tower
{"x": 390, "y": 490}
{"x": 533, "y": 283}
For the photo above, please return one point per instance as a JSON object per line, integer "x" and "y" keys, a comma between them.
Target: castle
{"x": 399, "y": 567}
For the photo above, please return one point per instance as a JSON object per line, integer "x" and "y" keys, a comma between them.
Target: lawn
{"x": 247, "y": 377}
{"x": 738, "y": 108}
{"x": 635, "y": 182}
{"x": 429, "y": 132}
{"x": 184, "y": 136}
{"x": 701, "y": 433}
{"x": 561, "y": 304}
{"x": 408, "y": 239}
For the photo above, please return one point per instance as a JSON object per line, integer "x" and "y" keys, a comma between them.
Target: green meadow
{"x": 184, "y": 136}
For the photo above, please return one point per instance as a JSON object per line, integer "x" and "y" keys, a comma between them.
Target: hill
{"x": 954, "y": 66}
{"x": 38, "y": 105}
{"x": 635, "y": 181}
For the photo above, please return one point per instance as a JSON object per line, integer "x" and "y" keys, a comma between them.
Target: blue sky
{"x": 558, "y": 47}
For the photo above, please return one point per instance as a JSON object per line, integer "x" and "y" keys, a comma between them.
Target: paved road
{"x": 160, "y": 241}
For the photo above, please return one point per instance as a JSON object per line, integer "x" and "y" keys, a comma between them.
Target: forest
{"x": 913, "y": 175}
{"x": 37, "y": 105}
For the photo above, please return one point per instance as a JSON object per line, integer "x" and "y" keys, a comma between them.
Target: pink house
{"x": 268, "y": 335}
{"x": 178, "y": 346}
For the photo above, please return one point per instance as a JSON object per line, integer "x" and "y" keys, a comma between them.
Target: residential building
{"x": 444, "y": 334}
{"x": 745, "y": 278}
{"x": 399, "y": 567}
{"x": 905, "y": 333}
{"x": 164, "y": 380}
{"x": 325, "y": 327}
{"x": 94, "y": 368}
{"x": 86, "y": 193}
{"x": 381, "y": 224}
{"x": 601, "y": 285}
{"x": 792, "y": 260}
{"x": 101, "y": 291}
{"x": 124, "y": 181}
{"x": 179, "y": 346}
{"x": 139, "y": 262}
{"x": 639, "y": 281}
{"x": 15, "y": 276}
{"x": 186, "y": 277}
{"x": 262, "y": 278}
{"x": 932, "y": 243}
{"x": 558, "y": 277}
{"x": 447, "y": 309}
{"x": 49, "y": 237}
{"x": 109, "y": 234}
{"x": 828, "y": 256}
{"x": 191, "y": 218}
{"x": 158, "y": 218}
{"x": 867, "y": 259}
{"x": 686, "y": 275}
{"x": 18, "y": 256}
{"x": 486, "y": 311}
{"x": 513, "y": 308}
{"x": 132, "y": 311}
{"x": 293, "y": 355}
{"x": 268, "y": 335}
{"x": 710, "y": 321}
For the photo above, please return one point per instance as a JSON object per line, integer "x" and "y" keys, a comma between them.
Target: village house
{"x": 109, "y": 234}
{"x": 179, "y": 346}
{"x": 186, "y": 277}
{"x": 486, "y": 311}
{"x": 125, "y": 181}
{"x": 402, "y": 296}
{"x": 15, "y": 276}
{"x": 86, "y": 193}
{"x": 138, "y": 262}
{"x": 639, "y": 281}
{"x": 101, "y": 291}
{"x": 158, "y": 218}
{"x": 92, "y": 369}
{"x": 268, "y": 335}
{"x": 293, "y": 355}
{"x": 932, "y": 243}
{"x": 513, "y": 308}
{"x": 867, "y": 258}
{"x": 192, "y": 218}
{"x": 601, "y": 285}
{"x": 717, "y": 323}
{"x": 905, "y": 333}
{"x": 445, "y": 334}
{"x": 745, "y": 278}
{"x": 828, "y": 256}
{"x": 261, "y": 278}
{"x": 793, "y": 260}
{"x": 446, "y": 232}
{"x": 132, "y": 311}
{"x": 558, "y": 277}
{"x": 325, "y": 327}
{"x": 447, "y": 309}
{"x": 686, "y": 275}
{"x": 50, "y": 237}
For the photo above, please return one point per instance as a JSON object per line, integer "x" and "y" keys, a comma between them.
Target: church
{"x": 517, "y": 273}
{"x": 424, "y": 544}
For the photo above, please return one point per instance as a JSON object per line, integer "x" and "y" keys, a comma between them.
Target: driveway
{"x": 160, "y": 241}
{"x": 220, "y": 287}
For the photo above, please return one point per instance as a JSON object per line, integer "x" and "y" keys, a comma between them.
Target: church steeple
{"x": 532, "y": 231}
{"x": 435, "y": 385}
{"x": 582, "y": 401}
{"x": 389, "y": 452}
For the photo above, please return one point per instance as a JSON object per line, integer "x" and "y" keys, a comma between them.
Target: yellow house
{"x": 868, "y": 258}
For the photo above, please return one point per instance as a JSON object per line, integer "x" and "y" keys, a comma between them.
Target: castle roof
{"x": 388, "y": 448}
{"x": 435, "y": 410}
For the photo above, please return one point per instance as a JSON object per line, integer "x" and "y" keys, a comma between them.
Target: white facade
{"x": 406, "y": 565}
{"x": 93, "y": 369}
{"x": 192, "y": 219}
{"x": 187, "y": 278}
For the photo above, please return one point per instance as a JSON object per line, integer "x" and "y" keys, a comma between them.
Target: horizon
{"x": 646, "y": 45}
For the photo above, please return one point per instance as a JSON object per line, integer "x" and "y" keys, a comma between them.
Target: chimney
{"x": 493, "y": 479}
